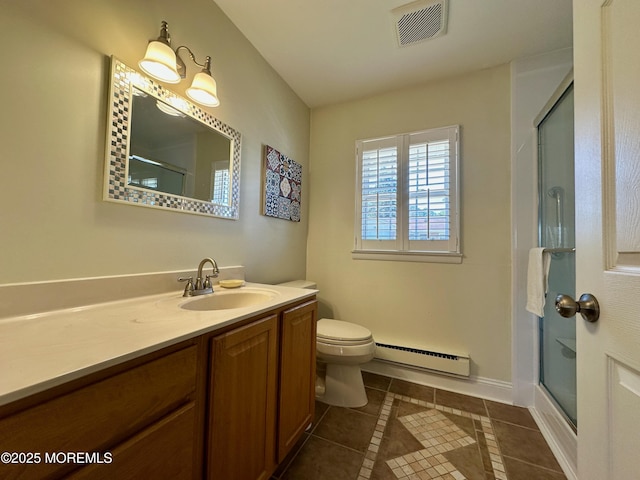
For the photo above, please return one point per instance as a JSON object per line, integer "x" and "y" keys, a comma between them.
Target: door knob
{"x": 587, "y": 306}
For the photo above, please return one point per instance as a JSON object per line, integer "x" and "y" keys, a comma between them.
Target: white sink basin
{"x": 229, "y": 299}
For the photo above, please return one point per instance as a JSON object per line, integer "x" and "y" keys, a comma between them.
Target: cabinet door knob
{"x": 587, "y": 306}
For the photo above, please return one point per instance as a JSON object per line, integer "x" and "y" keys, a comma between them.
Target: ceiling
{"x": 330, "y": 51}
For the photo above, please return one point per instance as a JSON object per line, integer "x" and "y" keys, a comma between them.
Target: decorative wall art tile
{"x": 282, "y": 183}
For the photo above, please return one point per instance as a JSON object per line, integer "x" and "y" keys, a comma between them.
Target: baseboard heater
{"x": 426, "y": 359}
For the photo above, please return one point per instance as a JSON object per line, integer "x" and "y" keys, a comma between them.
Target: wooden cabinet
{"x": 162, "y": 451}
{"x": 225, "y": 405}
{"x": 119, "y": 412}
{"x": 296, "y": 401}
{"x": 242, "y": 402}
{"x": 261, "y": 393}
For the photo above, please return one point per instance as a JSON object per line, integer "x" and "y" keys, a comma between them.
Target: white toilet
{"x": 342, "y": 347}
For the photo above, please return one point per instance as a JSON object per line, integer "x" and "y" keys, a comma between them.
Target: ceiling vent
{"x": 421, "y": 20}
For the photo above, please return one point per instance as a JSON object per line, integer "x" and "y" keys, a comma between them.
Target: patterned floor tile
{"x": 444, "y": 451}
{"x": 413, "y": 432}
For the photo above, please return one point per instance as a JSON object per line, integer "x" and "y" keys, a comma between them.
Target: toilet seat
{"x": 337, "y": 332}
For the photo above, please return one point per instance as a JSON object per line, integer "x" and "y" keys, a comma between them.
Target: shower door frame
{"x": 553, "y": 423}
{"x": 533, "y": 82}
{"x": 560, "y": 197}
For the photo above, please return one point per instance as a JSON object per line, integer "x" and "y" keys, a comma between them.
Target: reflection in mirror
{"x": 173, "y": 153}
{"x": 176, "y": 155}
{"x": 154, "y": 175}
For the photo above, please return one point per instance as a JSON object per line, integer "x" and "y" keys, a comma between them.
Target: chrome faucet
{"x": 205, "y": 287}
{"x": 201, "y": 287}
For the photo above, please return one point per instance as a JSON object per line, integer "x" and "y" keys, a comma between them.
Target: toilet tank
{"x": 300, "y": 284}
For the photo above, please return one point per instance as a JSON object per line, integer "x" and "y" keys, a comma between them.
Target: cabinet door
{"x": 297, "y": 374}
{"x": 162, "y": 451}
{"x": 242, "y": 403}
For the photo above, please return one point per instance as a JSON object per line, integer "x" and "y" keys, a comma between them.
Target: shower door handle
{"x": 587, "y": 306}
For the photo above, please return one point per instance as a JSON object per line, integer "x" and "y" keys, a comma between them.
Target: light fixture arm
{"x": 181, "y": 67}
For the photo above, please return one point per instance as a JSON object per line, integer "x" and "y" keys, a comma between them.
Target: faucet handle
{"x": 188, "y": 288}
{"x": 207, "y": 280}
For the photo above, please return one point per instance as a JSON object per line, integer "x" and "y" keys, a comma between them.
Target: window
{"x": 407, "y": 197}
{"x": 221, "y": 183}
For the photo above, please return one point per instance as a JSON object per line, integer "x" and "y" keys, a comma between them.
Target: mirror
{"x": 165, "y": 152}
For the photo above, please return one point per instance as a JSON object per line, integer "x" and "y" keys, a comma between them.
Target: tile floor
{"x": 409, "y": 431}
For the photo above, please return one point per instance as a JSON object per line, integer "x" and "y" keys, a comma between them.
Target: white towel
{"x": 537, "y": 280}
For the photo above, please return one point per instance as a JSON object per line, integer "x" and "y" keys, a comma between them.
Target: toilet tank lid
{"x": 339, "y": 330}
{"x": 299, "y": 284}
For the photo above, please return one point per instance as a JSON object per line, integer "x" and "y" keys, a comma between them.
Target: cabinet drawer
{"x": 100, "y": 415}
{"x": 162, "y": 451}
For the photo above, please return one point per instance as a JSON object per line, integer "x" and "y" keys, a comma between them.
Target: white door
{"x": 607, "y": 141}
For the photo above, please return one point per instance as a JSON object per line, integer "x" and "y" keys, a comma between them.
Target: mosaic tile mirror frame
{"x": 123, "y": 82}
{"x": 281, "y": 186}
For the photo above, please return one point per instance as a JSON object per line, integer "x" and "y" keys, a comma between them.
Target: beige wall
{"x": 463, "y": 308}
{"x": 55, "y": 225}
{"x": 53, "y": 92}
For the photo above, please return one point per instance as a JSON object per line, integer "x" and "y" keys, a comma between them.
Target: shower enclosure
{"x": 557, "y": 234}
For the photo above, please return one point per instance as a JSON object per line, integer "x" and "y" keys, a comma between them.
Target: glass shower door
{"x": 557, "y": 234}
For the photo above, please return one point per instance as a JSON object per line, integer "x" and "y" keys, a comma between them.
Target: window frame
{"x": 403, "y": 249}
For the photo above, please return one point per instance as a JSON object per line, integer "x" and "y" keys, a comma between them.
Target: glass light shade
{"x": 160, "y": 62}
{"x": 203, "y": 90}
{"x": 169, "y": 110}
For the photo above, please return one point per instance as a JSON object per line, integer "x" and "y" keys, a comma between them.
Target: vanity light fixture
{"x": 164, "y": 64}
{"x": 160, "y": 59}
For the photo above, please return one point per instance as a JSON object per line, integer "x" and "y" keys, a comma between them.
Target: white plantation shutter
{"x": 379, "y": 193}
{"x": 432, "y": 192}
{"x": 221, "y": 184}
{"x": 407, "y": 196}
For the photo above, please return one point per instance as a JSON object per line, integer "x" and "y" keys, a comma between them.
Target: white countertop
{"x": 43, "y": 350}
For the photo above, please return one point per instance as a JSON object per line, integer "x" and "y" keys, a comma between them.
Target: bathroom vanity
{"x": 261, "y": 392}
{"x": 183, "y": 393}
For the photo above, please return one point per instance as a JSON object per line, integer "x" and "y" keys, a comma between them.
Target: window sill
{"x": 400, "y": 256}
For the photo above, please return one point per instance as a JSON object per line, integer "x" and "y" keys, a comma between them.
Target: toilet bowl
{"x": 343, "y": 347}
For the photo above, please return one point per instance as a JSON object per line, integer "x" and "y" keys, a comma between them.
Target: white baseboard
{"x": 561, "y": 438}
{"x": 487, "y": 388}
